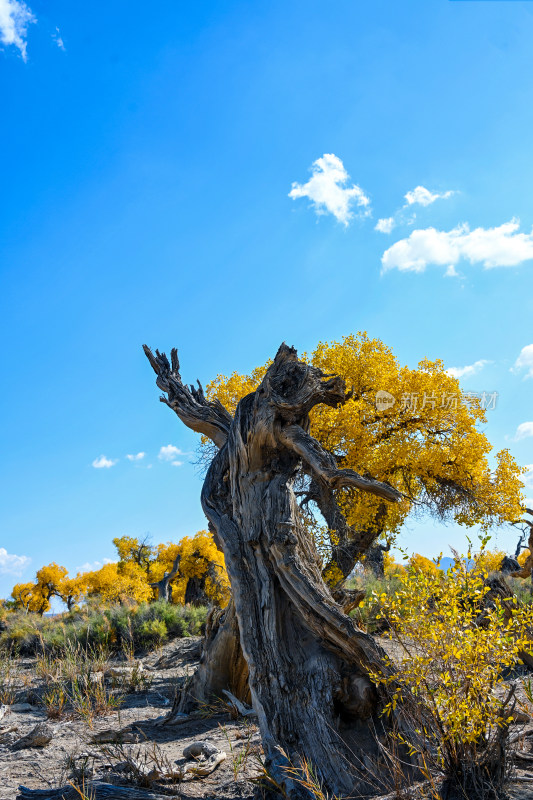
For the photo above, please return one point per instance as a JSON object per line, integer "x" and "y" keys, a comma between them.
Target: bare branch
{"x": 188, "y": 402}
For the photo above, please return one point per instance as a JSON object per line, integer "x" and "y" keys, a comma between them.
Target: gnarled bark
{"x": 307, "y": 662}
{"x": 222, "y": 665}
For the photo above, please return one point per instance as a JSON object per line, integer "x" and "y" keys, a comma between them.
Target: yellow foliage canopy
{"x": 117, "y": 583}
{"x": 424, "y": 438}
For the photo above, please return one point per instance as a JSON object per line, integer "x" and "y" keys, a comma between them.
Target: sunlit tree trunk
{"x": 164, "y": 588}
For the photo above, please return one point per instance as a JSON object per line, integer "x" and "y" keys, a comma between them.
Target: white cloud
{"x": 502, "y": 246}
{"x": 451, "y": 272}
{"x": 525, "y": 361}
{"x": 136, "y": 457}
{"x": 528, "y": 476}
{"x": 92, "y": 566}
{"x": 58, "y": 40}
{"x": 468, "y": 370}
{"x": 102, "y": 462}
{"x": 385, "y": 225}
{"x": 15, "y": 17}
{"x": 524, "y": 430}
{"x": 170, "y": 453}
{"x": 328, "y": 191}
{"x": 423, "y": 197}
{"x": 11, "y": 564}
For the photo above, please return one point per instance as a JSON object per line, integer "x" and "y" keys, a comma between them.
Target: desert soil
{"x": 72, "y": 745}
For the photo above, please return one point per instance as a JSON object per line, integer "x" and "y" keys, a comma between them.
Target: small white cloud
{"x": 525, "y": 361}
{"x": 136, "y": 457}
{"x": 423, "y": 197}
{"x": 451, "y": 272}
{"x": 328, "y": 190}
{"x": 169, "y": 453}
{"x": 177, "y": 463}
{"x": 58, "y": 40}
{"x": 385, "y": 225}
{"x": 15, "y": 17}
{"x": 524, "y": 430}
{"x": 92, "y": 566}
{"x": 468, "y": 370}
{"x": 102, "y": 462}
{"x": 502, "y": 246}
{"x": 11, "y": 564}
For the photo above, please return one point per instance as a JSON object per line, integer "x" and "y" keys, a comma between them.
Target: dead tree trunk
{"x": 222, "y": 665}
{"x": 307, "y": 663}
{"x": 195, "y": 594}
{"x": 164, "y": 589}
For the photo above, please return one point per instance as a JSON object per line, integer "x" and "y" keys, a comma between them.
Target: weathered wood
{"x": 39, "y": 736}
{"x": 95, "y": 790}
{"x": 307, "y": 662}
{"x": 222, "y": 666}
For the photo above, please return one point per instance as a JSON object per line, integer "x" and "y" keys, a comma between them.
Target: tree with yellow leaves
{"x": 118, "y": 583}
{"x": 418, "y": 563}
{"x": 456, "y": 668}
{"x": 412, "y": 428}
{"x": 24, "y": 597}
{"x": 72, "y": 590}
{"x": 36, "y": 596}
{"x": 390, "y": 567}
{"x": 201, "y": 577}
{"x": 137, "y": 551}
{"x": 48, "y": 583}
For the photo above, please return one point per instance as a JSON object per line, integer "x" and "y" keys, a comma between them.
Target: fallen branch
{"x": 244, "y": 711}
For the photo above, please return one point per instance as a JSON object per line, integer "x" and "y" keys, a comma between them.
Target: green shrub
{"x": 154, "y": 632}
{"x": 119, "y": 628}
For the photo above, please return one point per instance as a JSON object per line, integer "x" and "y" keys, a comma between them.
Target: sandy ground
{"x": 72, "y": 744}
{"x": 51, "y": 766}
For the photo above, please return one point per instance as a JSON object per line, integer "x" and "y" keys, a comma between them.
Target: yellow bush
{"x": 418, "y": 563}
{"x": 455, "y": 651}
{"x": 391, "y": 568}
{"x": 489, "y": 561}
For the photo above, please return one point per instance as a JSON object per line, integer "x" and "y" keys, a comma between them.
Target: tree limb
{"x": 189, "y": 403}
{"x": 323, "y": 465}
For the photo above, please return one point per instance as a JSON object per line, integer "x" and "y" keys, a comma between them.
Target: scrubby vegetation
{"x": 457, "y": 639}
{"x": 116, "y": 627}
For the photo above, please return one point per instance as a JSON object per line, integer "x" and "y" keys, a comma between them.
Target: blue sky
{"x": 148, "y": 158}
